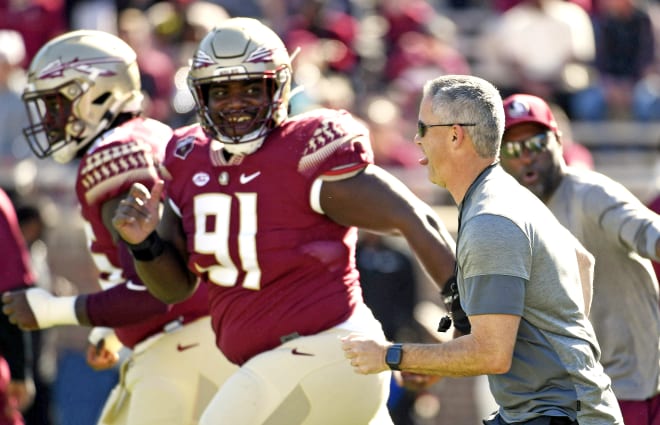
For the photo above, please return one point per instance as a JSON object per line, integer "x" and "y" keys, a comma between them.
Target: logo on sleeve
{"x": 184, "y": 147}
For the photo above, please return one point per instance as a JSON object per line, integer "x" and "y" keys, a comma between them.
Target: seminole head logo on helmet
{"x": 77, "y": 85}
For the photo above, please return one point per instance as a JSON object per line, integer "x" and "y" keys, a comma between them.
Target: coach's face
{"x": 531, "y": 153}
{"x": 433, "y": 141}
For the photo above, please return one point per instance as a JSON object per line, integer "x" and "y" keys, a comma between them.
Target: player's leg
{"x": 305, "y": 381}
{"x": 171, "y": 379}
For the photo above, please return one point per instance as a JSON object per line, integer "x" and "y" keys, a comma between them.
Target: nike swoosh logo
{"x": 295, "y": 352}
{"x": 135, "y": 287}
{"x": 248, "y": 178}
{"x": 180, "y": 347}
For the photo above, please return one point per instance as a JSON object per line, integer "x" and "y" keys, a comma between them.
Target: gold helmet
{"x": 77, "y": 84}
{"x": 241, "y": 49}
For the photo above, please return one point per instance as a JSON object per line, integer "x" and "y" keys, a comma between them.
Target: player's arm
{"x": 377, "y": 201}
{"x": 158, "y": 244}
{"x": 36, "y": 308}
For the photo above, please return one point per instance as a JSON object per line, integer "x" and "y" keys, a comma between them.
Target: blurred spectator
{"x": 44, "y": 352}
{"x": 542, "y": 47}
{"x": 12, "y": 112}
{"x": 575, "y": 154}
{"x": 654, "y": 205}
{"x": 502, "y": 6}
{"x": 391, "y": 137}
{"x": 389, "y": 287}
{"x": 37, "y": 20}
{"x": 627, "y": 84}
{"x": 93, "y": 14}
{"x": 332, "y": 31}
{"x": 157, "y": 67}
{"x": 419, "y": 37}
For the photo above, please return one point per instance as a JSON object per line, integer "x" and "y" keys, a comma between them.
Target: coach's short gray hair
{"x": 469, "y": 99}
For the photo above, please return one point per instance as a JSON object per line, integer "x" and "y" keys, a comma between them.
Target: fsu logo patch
{"x": 184, "y": 147}
{"x": 518, "y": 109}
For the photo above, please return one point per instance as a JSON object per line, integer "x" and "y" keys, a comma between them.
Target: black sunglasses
{"x": 536, "y": 143}
{"x": 423, "y": 127}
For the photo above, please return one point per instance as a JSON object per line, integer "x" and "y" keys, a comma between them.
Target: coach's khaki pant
{"x": 169, "y": 379}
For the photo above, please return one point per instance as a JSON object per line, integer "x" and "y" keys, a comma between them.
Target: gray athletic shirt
{"x": 619, "y": 231}
{"x": 515, "y": 258}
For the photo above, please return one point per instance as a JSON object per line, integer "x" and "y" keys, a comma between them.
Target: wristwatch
{"x": 393, "y": 356}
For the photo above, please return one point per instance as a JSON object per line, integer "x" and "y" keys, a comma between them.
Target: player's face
{"x": 530, "y": 153}
{"x": 56, "y": 111}
{"x": 238, "y": 107}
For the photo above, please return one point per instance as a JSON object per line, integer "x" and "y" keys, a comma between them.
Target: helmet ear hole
{"x": 101, "y": 99}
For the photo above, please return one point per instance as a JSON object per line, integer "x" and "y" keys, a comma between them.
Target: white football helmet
{"x": 242, "y": 49}
{"x": 77, "y": 85}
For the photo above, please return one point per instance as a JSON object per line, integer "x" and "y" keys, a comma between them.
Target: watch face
{"x": 393, "y": 356}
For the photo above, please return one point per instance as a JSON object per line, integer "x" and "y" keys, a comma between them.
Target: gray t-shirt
{"x": 619, "y": 231}
{"x": 515, "y": 258}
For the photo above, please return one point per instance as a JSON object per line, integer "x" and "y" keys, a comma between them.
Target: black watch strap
{"x": 393, "y": 356}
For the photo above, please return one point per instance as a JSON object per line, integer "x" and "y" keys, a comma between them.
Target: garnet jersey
{"x": 124, "y": 155}
{"x": 16, "y": 271}
{"x": 277, "y": 265}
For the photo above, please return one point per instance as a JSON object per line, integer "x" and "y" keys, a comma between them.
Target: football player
{"x": 265, "y": 208}
{"x": 84, "y": 101}
{"x": 17, "y": 388}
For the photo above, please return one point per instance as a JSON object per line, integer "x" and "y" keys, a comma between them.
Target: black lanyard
{"x": 449, "y": 291}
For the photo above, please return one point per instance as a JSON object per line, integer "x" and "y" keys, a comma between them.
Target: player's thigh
{"x": 172, "y": 381}
{"x": 305, "y": 381}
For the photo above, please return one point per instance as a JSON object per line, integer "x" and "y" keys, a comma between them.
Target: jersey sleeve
{"x": 126, "y": 303}
{"x": 337, "y": 147}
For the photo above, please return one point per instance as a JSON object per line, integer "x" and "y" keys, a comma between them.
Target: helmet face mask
{"x": 53, "y": 123}
{"x": 245, "y": 115}
{"x": 78, "y": 83}
{"x": 241, "y": 51}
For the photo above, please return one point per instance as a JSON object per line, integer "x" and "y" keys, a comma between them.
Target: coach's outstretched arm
{"x": 157, "y": 244}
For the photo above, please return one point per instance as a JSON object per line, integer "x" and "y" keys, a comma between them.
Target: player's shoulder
{"x": 183, "y": 140}
{"x": 139, "y": 135}
{"x": 336, "y": 120}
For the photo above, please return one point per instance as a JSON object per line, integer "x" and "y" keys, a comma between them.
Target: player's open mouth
{"x": 530, "y": 177}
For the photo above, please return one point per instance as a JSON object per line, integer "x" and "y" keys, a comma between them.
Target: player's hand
{"x": 366, "y": 355}
{"x": 137, "y": 214}
{"x": 23, "y": 392}
{"x": 415, "y": 381}
{"x": 100, "y": 358}
{"x": 16, "y": 307}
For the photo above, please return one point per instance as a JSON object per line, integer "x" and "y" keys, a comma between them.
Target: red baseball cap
{"x": 520, "y": 108}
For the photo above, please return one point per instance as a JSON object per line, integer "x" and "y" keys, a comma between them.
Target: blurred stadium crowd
{"x": 596, "y": 61}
